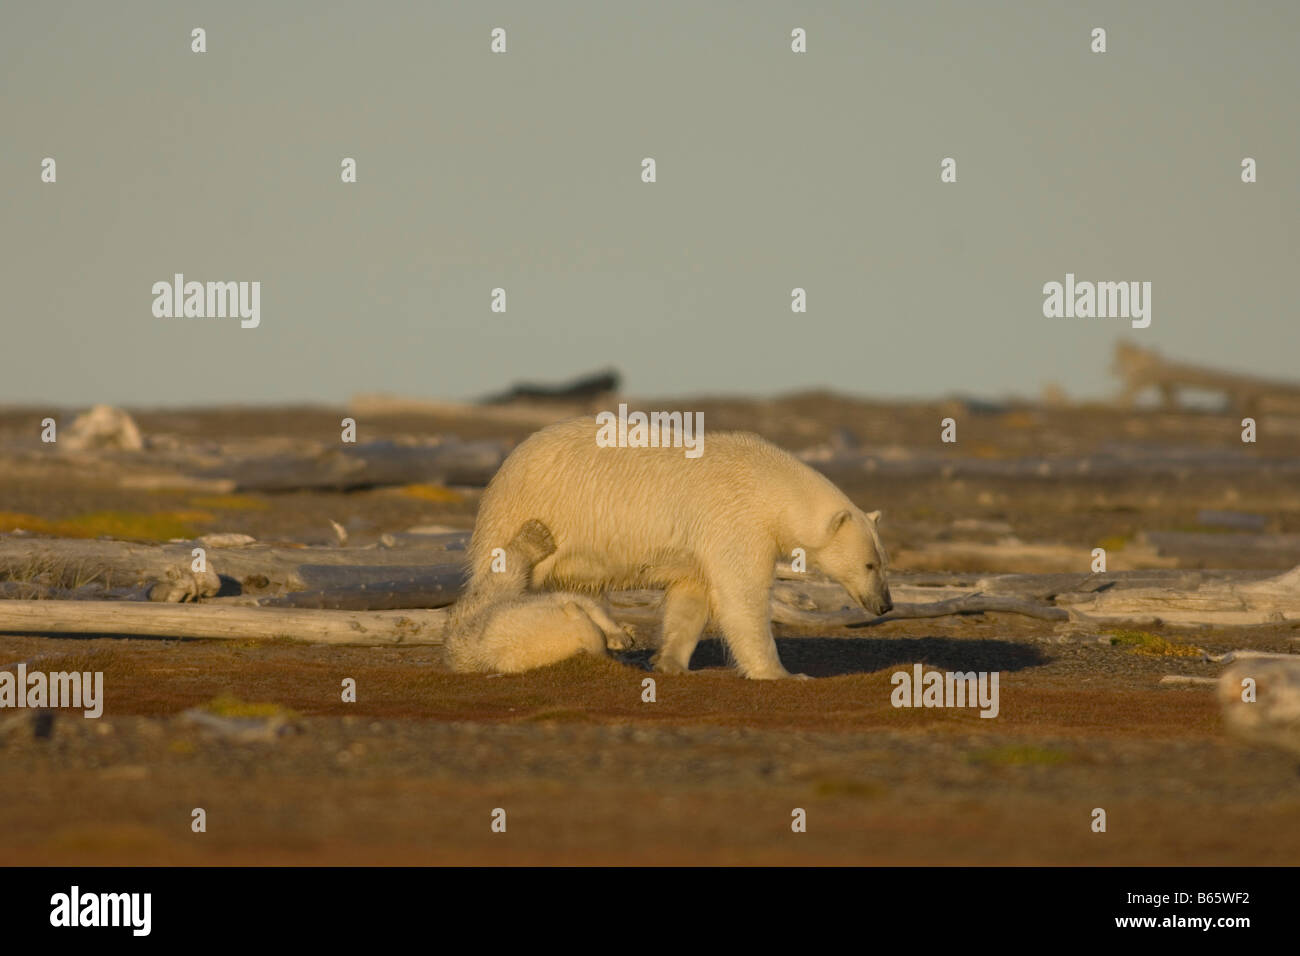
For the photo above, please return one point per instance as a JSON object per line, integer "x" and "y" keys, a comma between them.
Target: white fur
{"x": 496, "y": 626}
{"x": 708, "y": 530}
{"x": 533, "y": 630}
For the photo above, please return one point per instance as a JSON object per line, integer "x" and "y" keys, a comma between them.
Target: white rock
{"x": 225, "y": 540}
{"x": 102, "y": 427}
{"x": 1274, "y": 716}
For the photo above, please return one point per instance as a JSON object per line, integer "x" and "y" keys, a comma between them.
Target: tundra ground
{"x": 713, "y": 769}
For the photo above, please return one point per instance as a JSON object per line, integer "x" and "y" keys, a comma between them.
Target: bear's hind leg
{"x": 686, "y": 611}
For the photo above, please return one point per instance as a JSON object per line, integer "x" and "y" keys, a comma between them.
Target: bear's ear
{"x": 875, "y": 517}
{"x": 838, "y": 520}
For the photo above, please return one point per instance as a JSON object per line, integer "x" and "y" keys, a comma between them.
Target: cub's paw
{"x": 624, "y": 639}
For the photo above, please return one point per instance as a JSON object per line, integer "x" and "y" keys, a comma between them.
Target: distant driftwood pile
{"x": 396, "y": 594}
{"x": 106, "y": 441}
{"x": 268, "y": 466}
{"x": 1143, "y": 368}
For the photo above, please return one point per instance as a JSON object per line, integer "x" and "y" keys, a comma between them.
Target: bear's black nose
{"x": 886, "y": 607}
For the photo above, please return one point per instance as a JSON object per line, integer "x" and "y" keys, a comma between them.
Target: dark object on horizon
{"x": 583, "y": 388}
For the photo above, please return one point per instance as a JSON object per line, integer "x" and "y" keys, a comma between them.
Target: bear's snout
{"x": 882, "y": 604}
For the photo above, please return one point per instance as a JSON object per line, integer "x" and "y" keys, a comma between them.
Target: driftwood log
{"x": 1226, "y": 602}
{"x": 269, "y": 465}
{"x": 250, "y": 570}
{"x": 222, "y": 622}
{"x": 348, "y": 467}
{"x": 345, "y": 582}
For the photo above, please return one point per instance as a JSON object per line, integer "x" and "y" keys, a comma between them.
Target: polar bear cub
{"x": 708, "y": 530}
{"x": 499, "y": 627}
{"x": 534, "y": 630}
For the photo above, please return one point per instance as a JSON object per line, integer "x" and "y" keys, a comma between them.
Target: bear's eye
{"x": 871, "y": 566}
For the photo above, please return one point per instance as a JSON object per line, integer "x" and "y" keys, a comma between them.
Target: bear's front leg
{"x": 744, "y": 617}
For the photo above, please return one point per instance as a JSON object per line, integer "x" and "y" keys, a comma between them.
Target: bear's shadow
{"x": 836, "y": 656}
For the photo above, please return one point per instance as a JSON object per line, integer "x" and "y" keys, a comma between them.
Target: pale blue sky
{"x": 775, "y": 170}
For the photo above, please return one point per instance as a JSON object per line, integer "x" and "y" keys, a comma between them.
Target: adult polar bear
{"x": 708, "y": 530}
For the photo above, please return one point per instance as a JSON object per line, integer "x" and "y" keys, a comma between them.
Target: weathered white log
{"x": 258, "y": 568}
{"x": 410, "y": 577}
{"x": 1187, "y": 680}
{"x": 1273, "y": 600}
{"x": 222, "y": 622}
{"x": 340, "y": 468}
{"x": 226, "y": 540}
{"x": 270, "y": 464}
{"x": 1065, "y": 588}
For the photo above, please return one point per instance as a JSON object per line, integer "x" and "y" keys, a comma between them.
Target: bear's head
{"x": 854, "y": 557}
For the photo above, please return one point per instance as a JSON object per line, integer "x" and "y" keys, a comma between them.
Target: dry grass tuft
{"x": 227, "y": 705}
{"x": 1152, "y": 645}
{"x": 122, "y": 525}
